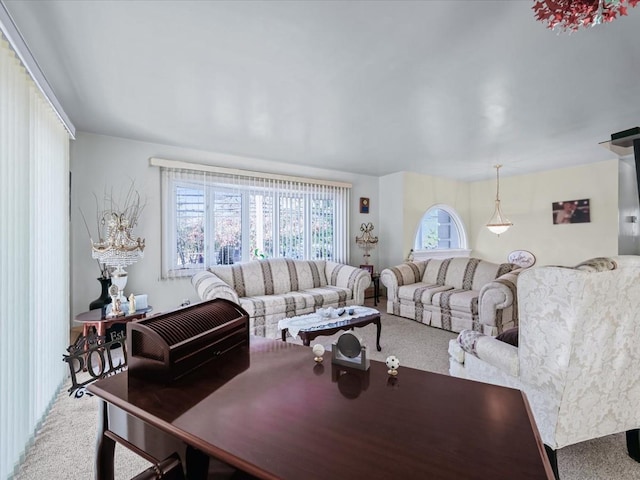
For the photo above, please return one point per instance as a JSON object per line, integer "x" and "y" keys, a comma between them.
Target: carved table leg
{"x": 105, "y": 447}
{"x": 378, "y": 331}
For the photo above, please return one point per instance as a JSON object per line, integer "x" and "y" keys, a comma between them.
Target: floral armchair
{"x": 577, "y": 355}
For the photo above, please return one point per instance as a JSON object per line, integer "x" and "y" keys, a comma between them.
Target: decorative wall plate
{"x": 522, "y": 258}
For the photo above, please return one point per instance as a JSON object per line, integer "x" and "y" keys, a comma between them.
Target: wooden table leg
{"x": 86, "y": 328}
{"x": 284, "y": 334}
{"x": 102, "y": 330}
{"x": 105, "y": 447}
{"x": 376, "y": 291}
{"x": 197, "y": 464}
{"x": 378, "y": 331}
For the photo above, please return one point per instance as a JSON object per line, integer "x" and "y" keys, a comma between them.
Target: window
{"x": 219, "y": 218}
{"x": 440, "y": 229}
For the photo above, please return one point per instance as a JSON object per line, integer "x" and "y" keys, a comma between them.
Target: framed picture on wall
{"x": 571, "y": 211}
{"x": 364, "y": 205}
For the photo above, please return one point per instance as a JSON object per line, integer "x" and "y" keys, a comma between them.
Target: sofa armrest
{"x": 404, "y": 274}
{"x": 496, "y": 353}
{"x": 499, "y": 354}
{"x": 210, "y": 286}
{"x": 495, "y": 298}
{"x": 354, "y": 278}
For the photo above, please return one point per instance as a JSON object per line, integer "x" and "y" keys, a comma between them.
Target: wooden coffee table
{"x": 335, "y": 325}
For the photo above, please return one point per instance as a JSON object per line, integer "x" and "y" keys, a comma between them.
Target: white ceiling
{"x": 446, "y": 88}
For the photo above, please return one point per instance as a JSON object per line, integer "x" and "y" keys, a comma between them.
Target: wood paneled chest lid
{"x": 169, "y": 345}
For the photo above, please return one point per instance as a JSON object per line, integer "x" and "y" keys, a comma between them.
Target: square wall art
{"x": 571, "y": 211}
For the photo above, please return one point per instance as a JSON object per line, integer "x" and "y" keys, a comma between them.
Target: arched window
{"x": 440, "y": 229}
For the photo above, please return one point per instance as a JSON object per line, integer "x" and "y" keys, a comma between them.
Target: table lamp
{"x": 366, "y": 241}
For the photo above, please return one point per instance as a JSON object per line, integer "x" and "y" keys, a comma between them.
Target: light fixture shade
{"x": 498, "y": 223}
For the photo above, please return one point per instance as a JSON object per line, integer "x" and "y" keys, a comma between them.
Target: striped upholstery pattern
{"x": 273, "y": 289}
{"x": 441, "y": 292}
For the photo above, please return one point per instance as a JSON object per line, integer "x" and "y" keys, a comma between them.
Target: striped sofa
{"x": 276, "y": 288}
{"x": 454, "y": 293}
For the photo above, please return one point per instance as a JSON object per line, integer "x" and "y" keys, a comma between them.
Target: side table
{"x": 94, "y": 318}
{"x": 80, "y": 352}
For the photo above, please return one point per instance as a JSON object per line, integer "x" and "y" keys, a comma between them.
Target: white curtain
{"x": 34, "y": 257}
{"x": 275, "y": 209}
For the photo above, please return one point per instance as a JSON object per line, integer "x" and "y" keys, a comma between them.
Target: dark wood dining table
{"x": 270, "y": 411}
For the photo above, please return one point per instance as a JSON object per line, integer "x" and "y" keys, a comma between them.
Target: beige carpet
{"x": 64, "y": 448}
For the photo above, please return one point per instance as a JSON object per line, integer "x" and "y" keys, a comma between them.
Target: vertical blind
{"x": 230, "y": 216}
{"x": 34, "y": 257}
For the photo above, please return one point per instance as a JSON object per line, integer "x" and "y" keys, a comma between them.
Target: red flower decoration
{"x": 572, "y": 14}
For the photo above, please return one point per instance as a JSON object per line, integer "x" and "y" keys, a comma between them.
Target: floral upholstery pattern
{"x": 448, "y": 293}
{"x": 577, "y": 356}
{"x": 273, "y": 289}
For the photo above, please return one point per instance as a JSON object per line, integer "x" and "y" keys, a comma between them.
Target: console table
{"x": 271, "y": 412}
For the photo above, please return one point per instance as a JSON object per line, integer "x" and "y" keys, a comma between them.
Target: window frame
{"x": 456, "y": 222}
{"x": 171, "y": 267}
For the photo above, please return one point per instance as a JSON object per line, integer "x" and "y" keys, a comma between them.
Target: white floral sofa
{"x": 273, "y": 289}
{"x": 454, "y": 293}
{"x": 577, "y": 351}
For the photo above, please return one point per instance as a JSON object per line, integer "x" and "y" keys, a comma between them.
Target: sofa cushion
{"x": 435, "y": 271}
{"x": 408, "y": 272}
{"x": 287, "y": 304}
{"x": 341, "y": 274}
{"x": 307, "y": 274}
{"x": 463, "y": 273}
{"x": 328, "y": 295}
{"x": 509, "y": 336}
{"x": 457, "y": 300}
{"x": 420, "y": 292}
{"x": 272, "y": 276}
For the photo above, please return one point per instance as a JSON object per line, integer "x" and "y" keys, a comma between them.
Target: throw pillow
{"x": 467, "y": 340}
{"x": 509, "y": 336}
{"x": 598, "y": 264}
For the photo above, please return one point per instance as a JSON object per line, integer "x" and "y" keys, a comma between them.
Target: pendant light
{"x": 498, "y": 223}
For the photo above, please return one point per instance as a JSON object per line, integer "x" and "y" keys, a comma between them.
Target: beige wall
{"x": 99, "y": 162}
{"x": 526, "y": 200}
{"x": 398, "y": 202}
